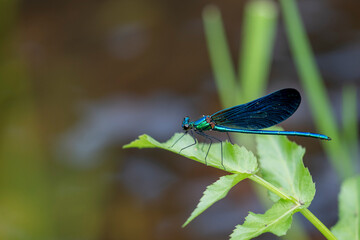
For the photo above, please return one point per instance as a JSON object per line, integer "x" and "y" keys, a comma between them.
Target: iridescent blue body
{"x": 251, "y": 118}
{"x": 254, "y": 116}
{"x": 205, "y": 123}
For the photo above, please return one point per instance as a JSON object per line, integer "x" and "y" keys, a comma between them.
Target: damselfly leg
{"x": 178, "y": 139}
{"x": 228, "y": 135}
{"x": 210, "y": 138}
{"x": 195, "y": 142}
{"x": 191, "y": 134}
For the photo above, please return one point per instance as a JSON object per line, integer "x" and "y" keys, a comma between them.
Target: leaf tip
{"x": 185, "y": 224}
{"x": 135, "y": 143}
{"x": 126, "y": 146}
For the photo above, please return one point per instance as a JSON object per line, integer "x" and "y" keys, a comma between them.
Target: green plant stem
{"x": 271, "y": 187}
{"x": 306, "y": 212}
{"x": 317, "y": 223}
{"x": 350, "y": 126}
{"x": 255, "y": 55}
{"x": 222, "y": 65}
{"x": 315, "y": 89}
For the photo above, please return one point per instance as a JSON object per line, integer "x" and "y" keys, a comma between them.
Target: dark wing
{"x": 261, "y": 113}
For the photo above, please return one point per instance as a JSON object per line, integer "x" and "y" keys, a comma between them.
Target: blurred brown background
{"x": 79, "y": 79}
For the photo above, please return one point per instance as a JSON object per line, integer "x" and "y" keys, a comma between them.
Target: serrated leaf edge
{"x": 202, "y": 206}
{"x": 263, "y": 230}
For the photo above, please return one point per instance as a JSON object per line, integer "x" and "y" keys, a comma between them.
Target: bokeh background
{"x": 79, "y": 79}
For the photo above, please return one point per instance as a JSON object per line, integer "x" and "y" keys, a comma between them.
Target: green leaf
{"x": 259, "y": 28}
{"x": 349, "y": 121}
{"x": 276, "y": 220}
{"x": 281, "y": 164}
{"x": 215, "y": 192}
{"x": 220, "y": 57}
{"x": 314, "y": 87}
{"x": 349, "y": 200}
{"x": 236, "y": 159}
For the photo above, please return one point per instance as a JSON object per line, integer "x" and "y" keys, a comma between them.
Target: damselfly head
{"x": 185, "y": 124}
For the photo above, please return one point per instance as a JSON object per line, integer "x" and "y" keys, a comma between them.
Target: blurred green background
{"x": 79, "y": 79}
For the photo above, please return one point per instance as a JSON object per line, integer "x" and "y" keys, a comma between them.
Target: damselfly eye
{"x": 185, "y": 124}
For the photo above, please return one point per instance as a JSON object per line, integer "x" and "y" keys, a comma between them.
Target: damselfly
{"x": 250, "y": 118}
